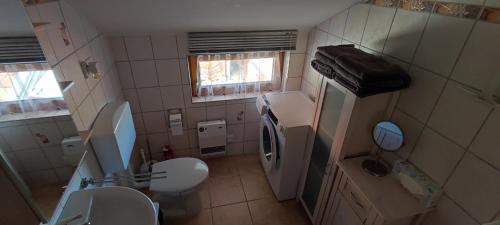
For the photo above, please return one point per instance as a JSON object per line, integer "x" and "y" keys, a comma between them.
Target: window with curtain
{"x": 235, "y": 73}
{"x": 29, "y": 87}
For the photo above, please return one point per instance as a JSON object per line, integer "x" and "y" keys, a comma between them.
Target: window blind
{"x": 241, "y": 41}
{"x": 20, "y": 50}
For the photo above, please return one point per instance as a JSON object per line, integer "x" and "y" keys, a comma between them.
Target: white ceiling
{"x": 147, "y": 16}
{"x": 13, "y": 19}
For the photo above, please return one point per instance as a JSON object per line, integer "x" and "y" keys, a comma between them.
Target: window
{"x": 26, "y": 85}
{"x": 225, "y": 74}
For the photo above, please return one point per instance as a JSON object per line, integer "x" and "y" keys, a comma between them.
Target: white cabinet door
{"x": 345, "y": 215}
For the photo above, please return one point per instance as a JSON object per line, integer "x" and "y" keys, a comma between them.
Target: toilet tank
{"x": 113, "y": 137}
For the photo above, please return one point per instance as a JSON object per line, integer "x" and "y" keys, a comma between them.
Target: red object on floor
{"x": 168, "y": 152}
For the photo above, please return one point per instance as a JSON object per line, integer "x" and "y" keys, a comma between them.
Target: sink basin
{"x": 109, "y": 205}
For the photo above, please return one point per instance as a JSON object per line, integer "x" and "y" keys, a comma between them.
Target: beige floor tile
{"x": 226, "y": 190}
{"x": 47, "y": 197}
{"x": 248, "y": 164}
{"x": 205, "y": 196}
{"x": 256, "y": 186}
{"x": 221, "y": 167}
{"x": 203, "y": 218}
{"x": 236, "y": 214}
{"x": 269, "y": 211}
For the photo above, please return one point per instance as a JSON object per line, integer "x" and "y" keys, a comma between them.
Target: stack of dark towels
{"x": 362, "y": 73}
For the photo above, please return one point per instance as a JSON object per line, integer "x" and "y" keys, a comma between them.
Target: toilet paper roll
{"x": 176, "y": 124}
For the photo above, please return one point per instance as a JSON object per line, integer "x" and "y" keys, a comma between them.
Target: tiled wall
{"x": 451, "y": 135}
{"x": 64, "y": 48}
{"x": 155, "y": 80}
{"x": 38, "y": 160}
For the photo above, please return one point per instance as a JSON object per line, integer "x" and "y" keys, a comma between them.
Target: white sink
{"x": 109, "y": 205}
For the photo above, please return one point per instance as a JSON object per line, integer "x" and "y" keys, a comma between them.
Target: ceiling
{"x": 13, "y": 19}
{"x": 148, "y": 16}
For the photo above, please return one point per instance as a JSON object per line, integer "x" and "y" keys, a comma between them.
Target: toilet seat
{"x": 183, "y": 174}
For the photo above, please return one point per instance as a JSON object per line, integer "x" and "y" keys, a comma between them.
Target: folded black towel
{"x": 322, "y": 68}
{"x": 360, "y": 64}
{"x": 363, "y": 92}
{"x": 400, "y": 81}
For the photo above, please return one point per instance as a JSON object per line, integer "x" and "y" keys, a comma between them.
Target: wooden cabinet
{"x": 358, "y": 198}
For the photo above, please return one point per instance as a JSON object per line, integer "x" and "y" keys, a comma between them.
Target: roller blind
{"x": 20, "y": 50}
{"x": 241, "y": 41}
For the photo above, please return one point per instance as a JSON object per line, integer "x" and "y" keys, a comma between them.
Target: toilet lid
{"x": 182, "y": 174}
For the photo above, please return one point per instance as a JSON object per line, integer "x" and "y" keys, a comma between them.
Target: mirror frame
{"x": 380, "y": 147}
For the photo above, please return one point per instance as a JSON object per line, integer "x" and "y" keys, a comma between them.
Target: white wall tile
{"x": 486, "y": 143}
{"x": 477, "y": 65}
{"x": 72, "y": 71}
{"x": 157, "y": 141}
{"x": 164, "y": 47}
{"x": 87, "y": 112}
{"x": 195, "y": 115}
{"x": 412, "y": 129}
{"x": 235, "y": 133}
{"x": 99, "y": 97}
{"x": 169, "y": 72}
{"x": 46, "y": 130}
{"x": 150, "y": 99}
{"x": 251, "y": 113}
{"x": 18, "y": 138}
{"x": 184, "y": 71}
{"x": 179, "y": 142}
{"x": 154, "y": 122}
{"x": 441, "y": 43}
{"x": 193, "y": 138}
{"x": 377, "y": 27}
{"x": 356, "y": 21}
{"x": 405, "y": 33}
{"x": 325, "y": 25}
{"x": 90, "y": 30}
{"x": 234, "y": 148}
{"x": 333, "y": 40}
{"x": 78, "y": 121}
{"x": 173, "y": 97}
{"x": 54, "y": 155}
{"x": 73, "y": 24}
{"x": 235, "y": 113}
{"x": 436, "y": 156}
{"x": 188, "y": 99}
{"x": 139, "y": 48}
{"x": 293, "y": 84}
{"x": 118, "y": 48}
{"x": 296, "y": 65}
{"x": 33, "y": 160}
{"x": 448, "y": 213}
{"x": 89, "y": 166}
{"x": 337, "y": 24}
{"x": 139, "y": 124}
{"x": 64, "y": 173}
{"x": 182, "y": 45}
{"x": 51, "y": 12}
{"x": 131, "y": 96}
{"x": 43, "y": 177}
{"x": 419, "y": 99}
{"x": 144, "y": 73}
{"x": 216, "y": 112}
{"x": 125, "y": 74}
{"x": 458, "y": 115}
{"x": 252, "y": 131}
{"x": 474, "y": 186}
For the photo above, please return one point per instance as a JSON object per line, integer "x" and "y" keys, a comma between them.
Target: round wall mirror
{"x": 389, "y": 137}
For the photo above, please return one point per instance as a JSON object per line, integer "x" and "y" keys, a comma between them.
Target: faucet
{"x": 68, "y": 220}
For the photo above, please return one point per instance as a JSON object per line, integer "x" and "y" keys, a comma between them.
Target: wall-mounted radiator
{"x": 212, "y": 137}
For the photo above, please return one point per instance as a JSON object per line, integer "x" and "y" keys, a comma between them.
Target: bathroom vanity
{"x": 359, "y": 198}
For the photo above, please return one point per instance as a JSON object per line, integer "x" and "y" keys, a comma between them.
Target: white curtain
{"x": 238, "y": 73}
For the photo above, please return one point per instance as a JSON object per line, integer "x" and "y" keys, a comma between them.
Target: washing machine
{"x": 286, "y": 119}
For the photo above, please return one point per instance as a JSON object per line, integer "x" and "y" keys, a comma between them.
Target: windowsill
{"x": 218, "y": 98}
{"x": 33, "y": 115}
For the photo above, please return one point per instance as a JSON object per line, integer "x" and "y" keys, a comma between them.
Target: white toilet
{"x": 178, "y": 193}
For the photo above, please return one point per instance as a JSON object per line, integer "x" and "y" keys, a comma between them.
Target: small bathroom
{"x": 345, "y": 112}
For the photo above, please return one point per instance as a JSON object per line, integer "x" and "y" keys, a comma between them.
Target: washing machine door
{"x": 268, "y": 143}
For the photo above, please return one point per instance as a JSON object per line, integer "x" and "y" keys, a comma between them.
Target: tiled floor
{"x": 237, "y": 193}
{"x": 47, "y": 197}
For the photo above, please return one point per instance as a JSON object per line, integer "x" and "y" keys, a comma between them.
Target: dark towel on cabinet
{"x": 324, "y": 69}
{"x": 362, "y": 65}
